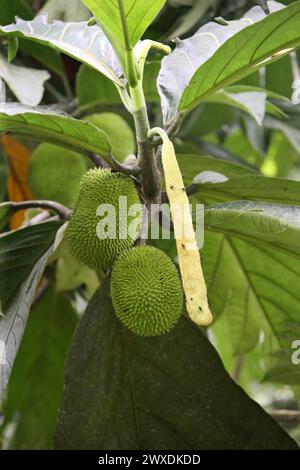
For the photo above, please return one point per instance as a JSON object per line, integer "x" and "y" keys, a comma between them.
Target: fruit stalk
{"x": 188, "y": 253}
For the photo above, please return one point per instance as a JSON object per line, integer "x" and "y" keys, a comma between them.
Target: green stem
{"x": 150, "y": 175}
{"x": 131, "y": 67}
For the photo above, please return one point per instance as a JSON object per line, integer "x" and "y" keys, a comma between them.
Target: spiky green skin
{"x": 55, "y": 173}
{"x": 146, "y": 291}
{"x": 99, "y": 187}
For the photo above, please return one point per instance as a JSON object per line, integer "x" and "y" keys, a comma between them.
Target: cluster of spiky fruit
{"x": 145, "y": 286}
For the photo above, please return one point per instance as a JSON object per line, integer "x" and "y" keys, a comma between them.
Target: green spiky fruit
{"x": 146, "y": 291}
{"x": 55, "y": 173}
{"x": 101, "y": 227}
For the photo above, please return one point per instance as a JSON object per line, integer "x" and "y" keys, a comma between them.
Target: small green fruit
{"x": 100, "y": 229}
{"x": 146, "y": 291}
{"x": 118, "y": 131}
{"x": 55, "y": 173}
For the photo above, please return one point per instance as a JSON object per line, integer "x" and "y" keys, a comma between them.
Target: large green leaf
{"x": 250, "y": 187}
{"x": 85, "y": 43}
{"x": 251, "y": 259}
{"x": 139, "y": 15}
{"x": 246, "y": 51}
{"x": 169, "y": 392}
{"x": 19, "y": 251}
{"x": 219, "y": 55}
{"x": 193, "y": 164}
{"x": 51, "y": 126}
{"x": 23, "y": 257}
{"x": 36, "y": 383}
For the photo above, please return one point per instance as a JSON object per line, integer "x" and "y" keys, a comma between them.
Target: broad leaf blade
{"x": 51, "y": 126}
{"x": 250, "y": 187}
{"x": 139, "y": 15}
{"x": 179, "y": 67}
{"x": 254, "y": 47}
{"x": 36, "y": 382}
{"x": 170, "y": 392}
{"x": 251, "y": 102}
{"x": 24, "y": 255}
{"x": 251, "y": 260}
{"x": 19, "y": 251}
{"x": 85, "y": 43}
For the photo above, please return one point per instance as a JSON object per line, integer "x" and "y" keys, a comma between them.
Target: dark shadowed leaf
{"x": 23, "y": 257}
{"x": 170, "y": 392}
{"x": 19, "y": 251}
{"x": 36, "y": 383}
{"x": 12, "y": 8}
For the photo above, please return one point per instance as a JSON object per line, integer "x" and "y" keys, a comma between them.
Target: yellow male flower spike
{"x": 188, "y": 253}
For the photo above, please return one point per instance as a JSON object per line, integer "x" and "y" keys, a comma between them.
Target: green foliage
{"x": 60, "y": 181}
{"x": 146, "y": 291}
{"x": 239, "y": 155}
{"x": 174, "y": 384}
{"x": 88, "y": 230}
{"x": 19, "y": 251}
{"x": 139, "y": 16}
{"x": 53, "y": 127}
{"x": 257, "y": 43}
{"x": 38, "y": 373}
{"x": 23, "y": 258}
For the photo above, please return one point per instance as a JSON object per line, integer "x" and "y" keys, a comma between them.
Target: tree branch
{"x": 61, "y": 210}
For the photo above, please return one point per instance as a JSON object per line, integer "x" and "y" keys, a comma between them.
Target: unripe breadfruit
{"x": 55, "y": 173}
{"x": 146, "y": 291}
{"x": 120, "y": 134}
{"x": 100, "y": 229}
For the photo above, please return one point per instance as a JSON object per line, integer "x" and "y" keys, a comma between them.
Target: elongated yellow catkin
{"x": 188, "y": 254}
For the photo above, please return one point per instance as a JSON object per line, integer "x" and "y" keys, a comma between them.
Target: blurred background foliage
{"x": 215, "y": 136}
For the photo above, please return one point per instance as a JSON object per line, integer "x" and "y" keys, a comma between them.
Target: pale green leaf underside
{"x": 85, "y": 43}
{"x": 16, "y": 254}
{"x": 20, "y": 79}
{"x": 139, "y": 15}
{"x": 247, "y": 50}
{"x": 47, "y": 125}
{"x": 179, "y": 67}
